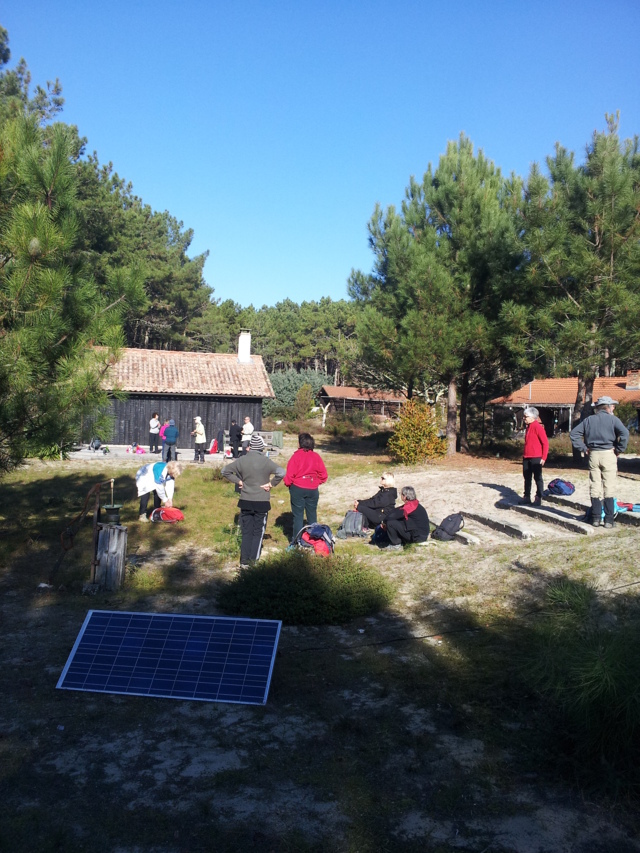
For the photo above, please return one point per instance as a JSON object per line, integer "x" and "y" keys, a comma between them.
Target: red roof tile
{"x": 207, "y": 373}
{"x": 562, "y": 392}
{"x": 351, "y": 392}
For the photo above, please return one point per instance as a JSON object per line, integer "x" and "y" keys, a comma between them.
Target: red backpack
{"x": 167, "y": 513}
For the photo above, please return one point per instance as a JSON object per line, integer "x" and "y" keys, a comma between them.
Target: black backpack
{"x": 448, "y": 528}
{"x": 352, "y": 525}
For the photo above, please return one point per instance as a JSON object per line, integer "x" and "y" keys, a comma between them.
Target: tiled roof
{"x": 208, "y": 373}
{"x": 563, "y": 392}
{"x": 350, "y": 392}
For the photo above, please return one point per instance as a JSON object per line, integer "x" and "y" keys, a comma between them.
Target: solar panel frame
{"x": 173, "y": 656}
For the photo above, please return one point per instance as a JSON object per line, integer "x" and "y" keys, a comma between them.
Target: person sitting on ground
{"x": 157, "y": 478}
{"x": 407, "y": 523}
{"x": 377, "y": 508}
{"x": 534, "y": 455}
{"x": 255, "y": 474}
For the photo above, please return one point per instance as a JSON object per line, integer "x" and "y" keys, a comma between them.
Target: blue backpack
{"x": 561, "y": 487}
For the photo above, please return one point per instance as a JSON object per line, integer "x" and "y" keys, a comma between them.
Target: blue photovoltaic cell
{"x": 208, "y": 658}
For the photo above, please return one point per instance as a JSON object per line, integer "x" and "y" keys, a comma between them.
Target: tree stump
{"x": 111, "y": 555}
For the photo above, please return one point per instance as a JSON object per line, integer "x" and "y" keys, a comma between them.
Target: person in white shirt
{"x": 247, "y": 432}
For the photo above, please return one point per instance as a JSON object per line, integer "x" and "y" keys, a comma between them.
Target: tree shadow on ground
{"x": 386, "y": 733}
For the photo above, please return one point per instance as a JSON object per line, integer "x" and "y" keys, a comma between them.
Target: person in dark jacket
{"x": 534, "y": 455}
{"x": 602, "y": 437}
{"x": 407, "y": 523}
{"x": 235, "y": 437}
{"x": 171, "y": 441}
{"x": 255, "y": 474}
{"x": 377, "y": 508}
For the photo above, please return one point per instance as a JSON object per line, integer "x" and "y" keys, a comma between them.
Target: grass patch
{"x": 301, "y": 589}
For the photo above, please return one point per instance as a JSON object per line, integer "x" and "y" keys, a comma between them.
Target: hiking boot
{"x": 597, "y": 522}
{"x": 143, "y": 518}
{"x": 537, "y": 501}
{"x": 525, "y": 501}
{"x": 608, "y": 525}
{"x": 394, "y": 548}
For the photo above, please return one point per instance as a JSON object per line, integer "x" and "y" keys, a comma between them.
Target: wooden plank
{"x": 630, "y": 518}
{"x": 553, "y": 516}
{"x": 501, "y": 525}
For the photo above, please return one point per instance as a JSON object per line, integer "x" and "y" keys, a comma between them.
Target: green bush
{"x": 304, "y": 401}
{"x": 304, "y": 589}
{"x": 415, "y": 436}
{"x": 287, "y": 383}
{"x": 588, "y": 665}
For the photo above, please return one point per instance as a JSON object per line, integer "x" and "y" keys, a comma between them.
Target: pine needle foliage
{"x": 302, "y": 589}
{"x": 415, "y": 437}
{"x": 587, "y": 663}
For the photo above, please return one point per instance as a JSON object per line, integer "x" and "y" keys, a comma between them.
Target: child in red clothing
{"x": 536, "y": 448}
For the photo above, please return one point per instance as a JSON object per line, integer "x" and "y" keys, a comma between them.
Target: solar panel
{"x": 205, "y": 658}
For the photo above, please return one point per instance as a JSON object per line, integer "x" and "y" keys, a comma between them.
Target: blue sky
{"x": 273, "y": 128}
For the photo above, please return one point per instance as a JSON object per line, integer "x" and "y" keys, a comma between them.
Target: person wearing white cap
{"x": 201, "y": 439}
{"x": 256, "y": 475}
{"x": 602, "y": 437}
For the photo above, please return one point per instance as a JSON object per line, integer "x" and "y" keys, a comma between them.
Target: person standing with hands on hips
{"x": 534, "y": 455}
{"x": 602, "y": 437}
{"x": 255, "y": 475}
{"x": 305, "y": 472}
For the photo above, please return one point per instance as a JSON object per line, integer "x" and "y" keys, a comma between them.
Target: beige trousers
{"x": 603, "y": 472}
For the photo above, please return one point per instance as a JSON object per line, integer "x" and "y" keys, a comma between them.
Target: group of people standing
{"x": 601, "y": 437}
{"x": 163, "y": 438}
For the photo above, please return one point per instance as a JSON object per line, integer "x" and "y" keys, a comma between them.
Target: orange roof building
{"x": 556, "y": 398}
{"x": 345, "y": 398}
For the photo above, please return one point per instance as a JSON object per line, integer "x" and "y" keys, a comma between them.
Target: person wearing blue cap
{"x": 170, "y": 441}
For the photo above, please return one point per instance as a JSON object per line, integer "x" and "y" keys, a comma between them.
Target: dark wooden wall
{"x": 132, "y": 415}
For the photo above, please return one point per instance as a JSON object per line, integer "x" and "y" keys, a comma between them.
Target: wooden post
{"x": 111, "y": 556}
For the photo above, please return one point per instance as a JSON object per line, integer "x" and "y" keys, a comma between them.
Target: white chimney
{"x": 244, "y": 346}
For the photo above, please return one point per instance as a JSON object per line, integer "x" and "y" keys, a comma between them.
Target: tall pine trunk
{"x": 452, "y": 413}
{"x": 464, "y": 399}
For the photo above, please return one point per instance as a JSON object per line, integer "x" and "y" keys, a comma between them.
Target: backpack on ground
{"x": 317, "y": 538}
{"x": 169, "y": 514}
{"x": 448, "y": 527}
{"x": 560, "y": 487}
{"x": 380, "y": 536}
{"x": 353, "y": 525}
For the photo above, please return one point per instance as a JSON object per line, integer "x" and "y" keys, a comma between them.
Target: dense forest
{"x": 478, "y": 281}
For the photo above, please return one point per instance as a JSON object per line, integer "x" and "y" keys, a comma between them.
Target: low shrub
{"x": 415, "y": 437}
{"x": 301, "y": 589}
{"x": 588, "y": 664}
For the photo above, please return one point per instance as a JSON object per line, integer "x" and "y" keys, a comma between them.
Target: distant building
{"x": 179, "y": 385}
{"x": 346, "y": 398}
{"x": 555, "y": 399}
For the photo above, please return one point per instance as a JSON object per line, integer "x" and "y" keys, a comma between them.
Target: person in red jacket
{"x": 305, "y": 472}
{"x": 536, "y": 448}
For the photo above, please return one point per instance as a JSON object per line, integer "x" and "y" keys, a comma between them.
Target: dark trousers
{"x": 170, "y": 453}
{"x": 235, "y": 449}
{"x": 373, "y": 516}
{"x": 153, "y": 442}
{"x": 303, "y": 500}
{"x": 398, "y": 532}
{"x": 199, "y": 453}
{"x": 532, "y": 469}
{"x": 252, "y": 526}
{"x": 144, "y": 502}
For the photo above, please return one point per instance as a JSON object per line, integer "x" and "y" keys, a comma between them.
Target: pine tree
{"x": 51, "y": 312}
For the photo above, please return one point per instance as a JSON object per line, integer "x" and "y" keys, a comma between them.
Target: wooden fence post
{"x": 111, "y": 556}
